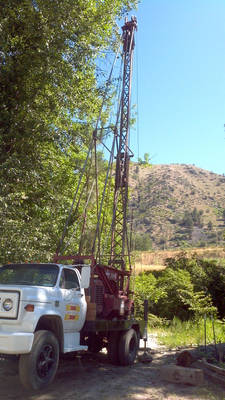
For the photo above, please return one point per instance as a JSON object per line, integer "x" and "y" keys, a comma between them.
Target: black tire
{"x": 128, "y": 347}
{"x": 38, "y": 368}
{"x": 113, "y": 347}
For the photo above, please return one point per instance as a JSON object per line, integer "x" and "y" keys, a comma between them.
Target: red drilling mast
{"x": 119, "y": 237}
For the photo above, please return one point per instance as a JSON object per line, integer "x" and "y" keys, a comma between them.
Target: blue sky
{"x": 179, "y": 82}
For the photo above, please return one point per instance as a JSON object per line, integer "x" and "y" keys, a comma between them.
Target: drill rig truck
{"x": 52, "y": 308}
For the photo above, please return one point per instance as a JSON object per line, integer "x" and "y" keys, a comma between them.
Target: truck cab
{"x": 46, "y": 298}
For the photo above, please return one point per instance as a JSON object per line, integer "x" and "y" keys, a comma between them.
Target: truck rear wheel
{"x": 38, "y": 368}
{"x": 113, "y": 347}
{"x": 128, "y": 347}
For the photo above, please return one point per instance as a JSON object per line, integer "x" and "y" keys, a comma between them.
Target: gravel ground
{"x": 92, "y": 377}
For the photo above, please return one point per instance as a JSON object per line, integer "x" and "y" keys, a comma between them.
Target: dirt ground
{"x": 92, "y": 377}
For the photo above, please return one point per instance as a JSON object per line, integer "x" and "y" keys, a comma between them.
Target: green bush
{"x": 186, "y": 289}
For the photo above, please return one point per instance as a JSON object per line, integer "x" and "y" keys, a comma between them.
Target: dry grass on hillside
{"x": 144, "y": 267}
{"x": 155, "y": 260}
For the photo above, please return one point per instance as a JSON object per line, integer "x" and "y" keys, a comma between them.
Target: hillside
{"x": 177, "y": 205}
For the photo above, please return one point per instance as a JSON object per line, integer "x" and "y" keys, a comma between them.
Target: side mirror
{"x": 85, "y": 276}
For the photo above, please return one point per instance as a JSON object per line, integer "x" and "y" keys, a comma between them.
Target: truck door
{"x": 73, "y": 303}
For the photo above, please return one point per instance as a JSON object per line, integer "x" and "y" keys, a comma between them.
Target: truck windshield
{"x": 29, "y": 274}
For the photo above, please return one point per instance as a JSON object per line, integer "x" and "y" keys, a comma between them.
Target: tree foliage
{"x": 146, "y": 161}
{"x": 176, "y": 284}
{"x": 146, "y": 289}
{"x": 192, "y": 218}
{"x": 189, "y": 288}
{"x": 142, "y": 242}
{"x": 223, "y": 215}
{"x": 50, "y": 95}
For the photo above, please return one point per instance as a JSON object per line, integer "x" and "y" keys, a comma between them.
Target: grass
{"x": 145, "y": 267}
{"x": 154, "y": 258}
{"x": 190, "y": 333}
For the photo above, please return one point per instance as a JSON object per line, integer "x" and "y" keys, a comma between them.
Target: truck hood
{"x": 32, "y": 293}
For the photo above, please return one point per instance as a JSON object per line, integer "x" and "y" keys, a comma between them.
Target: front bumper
{"x": 15, "y": 342}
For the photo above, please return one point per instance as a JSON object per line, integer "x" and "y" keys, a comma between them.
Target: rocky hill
{"x": 176, "y": 205}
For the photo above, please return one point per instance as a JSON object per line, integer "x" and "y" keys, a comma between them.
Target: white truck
{"x": 43, "y": 309}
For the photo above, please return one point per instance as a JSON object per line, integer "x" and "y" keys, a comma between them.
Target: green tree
{"x": 207, "y": 276}
{"x": 50, "y": 96}
{"x": 199, "y": 303}
{"x": 187, "y": 220}
{"x": 146, "y": 160}
{"x": 48, "y": 75}
{"x": 223, "y": 215}
{"x": 146, "y": 289}
{"x": 210, "y": 225}
{"x": 174, "y": 283}
{"x": 142, "y": 242}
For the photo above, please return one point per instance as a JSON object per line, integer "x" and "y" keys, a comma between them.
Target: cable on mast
{"x": 119, "y": 225}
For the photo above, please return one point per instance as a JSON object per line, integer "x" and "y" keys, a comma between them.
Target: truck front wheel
{"x": 38, "y": 368}
{"x": 128, "y": 347}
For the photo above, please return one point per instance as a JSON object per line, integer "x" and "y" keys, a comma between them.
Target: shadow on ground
{"x": 92, "y": 377}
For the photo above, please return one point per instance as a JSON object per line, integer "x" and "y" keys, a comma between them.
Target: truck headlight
{"x": 8, "y": 304}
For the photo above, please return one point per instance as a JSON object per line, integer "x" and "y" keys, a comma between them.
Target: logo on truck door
{"x": 71, "y": 314}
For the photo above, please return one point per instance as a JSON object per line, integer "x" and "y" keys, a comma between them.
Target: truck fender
{"x": 52, "y": 323}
